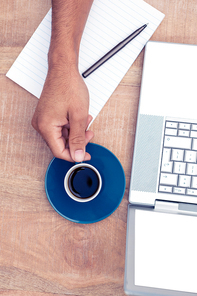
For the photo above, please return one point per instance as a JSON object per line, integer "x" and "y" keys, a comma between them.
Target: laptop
{"x": 161, "y": 244}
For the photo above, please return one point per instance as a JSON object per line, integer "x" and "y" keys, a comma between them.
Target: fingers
{"x": 57, "y": 143}
{"x": 59, "y": 140}
{"x": 79, "y": 137}
{"x": 89, "y": 120}
{"x": 68, "y": 142}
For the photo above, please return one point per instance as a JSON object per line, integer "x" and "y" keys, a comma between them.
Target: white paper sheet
{"x": 109, "y": 22}
{"x": 165, "y": 251}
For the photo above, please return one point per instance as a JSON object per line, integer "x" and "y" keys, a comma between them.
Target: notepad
{"x": 109, "y": 22}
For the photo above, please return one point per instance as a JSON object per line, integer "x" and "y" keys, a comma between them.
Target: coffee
{"x": 83, "y": 182}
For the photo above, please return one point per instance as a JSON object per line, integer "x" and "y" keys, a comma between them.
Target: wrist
{"x": 62, "y": 59}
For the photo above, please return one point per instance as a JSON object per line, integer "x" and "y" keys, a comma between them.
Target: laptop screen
{"x": 165, "y": 251}
{"x": 161, "y": 253}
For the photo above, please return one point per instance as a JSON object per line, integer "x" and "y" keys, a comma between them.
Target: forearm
{"x": 61, "y": 116}
{"x": 68, "y": 22}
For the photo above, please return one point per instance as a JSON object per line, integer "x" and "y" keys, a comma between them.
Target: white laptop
{"x": 161, "y": 246}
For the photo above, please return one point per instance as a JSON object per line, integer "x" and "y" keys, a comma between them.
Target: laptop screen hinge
{"x": 166, "y": 205}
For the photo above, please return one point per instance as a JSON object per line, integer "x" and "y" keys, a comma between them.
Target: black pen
{"x": 113, "y": 51}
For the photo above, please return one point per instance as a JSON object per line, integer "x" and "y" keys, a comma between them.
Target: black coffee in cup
{"x": 83, "y": 182}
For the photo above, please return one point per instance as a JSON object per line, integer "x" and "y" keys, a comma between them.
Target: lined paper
{"x": 109, "y": 22}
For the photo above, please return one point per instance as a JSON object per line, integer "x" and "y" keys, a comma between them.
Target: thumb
{"x": 77, "y": 141}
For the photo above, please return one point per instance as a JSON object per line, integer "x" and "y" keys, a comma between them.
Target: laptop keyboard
{"x": 178, "y": 172}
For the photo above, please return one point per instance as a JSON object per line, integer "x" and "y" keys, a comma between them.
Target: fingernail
{"x": 79, "y": 155}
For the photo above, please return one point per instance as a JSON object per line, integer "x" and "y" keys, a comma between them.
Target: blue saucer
{"x": 107, "y": 201}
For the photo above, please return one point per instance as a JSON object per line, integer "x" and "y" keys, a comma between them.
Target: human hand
{"x": 61, "y": 116}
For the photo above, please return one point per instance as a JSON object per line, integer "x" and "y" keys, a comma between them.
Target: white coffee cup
{"x": 82, "y": 182}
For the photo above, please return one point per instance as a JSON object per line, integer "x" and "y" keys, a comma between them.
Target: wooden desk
{"x": 41, "y": 253}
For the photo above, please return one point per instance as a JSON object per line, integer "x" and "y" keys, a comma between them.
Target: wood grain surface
{"x": 41, "y": 253}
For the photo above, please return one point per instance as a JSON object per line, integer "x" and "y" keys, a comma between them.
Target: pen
{"x": 113, "y": 51}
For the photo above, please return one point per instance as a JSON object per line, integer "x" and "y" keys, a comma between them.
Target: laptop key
{"x": 184, "y": 126}
{"x": 184, "y": 181}
{"x": 166, "y": 163}
{"x": 194, "y": 182}
{"x": 171, "y": 124}
{"x": 165, "y": 188}
{"x": 179, "y": 167}
{"x": 190, "y": 156}
{"x": 183, "y": 133}
{"x": 191, "y": 169}
{"x": 193, "y": 134}
{"x": 179, "y": 190}
{"x": 168, "y": 179}
{"x": 194, "y": 145}
{"x": 177, "y": 142}
{"x": 194, "y": 127}
{"x": 171, "y": 131}
{"x": 192, "y": 192}
{"x": 177, "y": 154}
